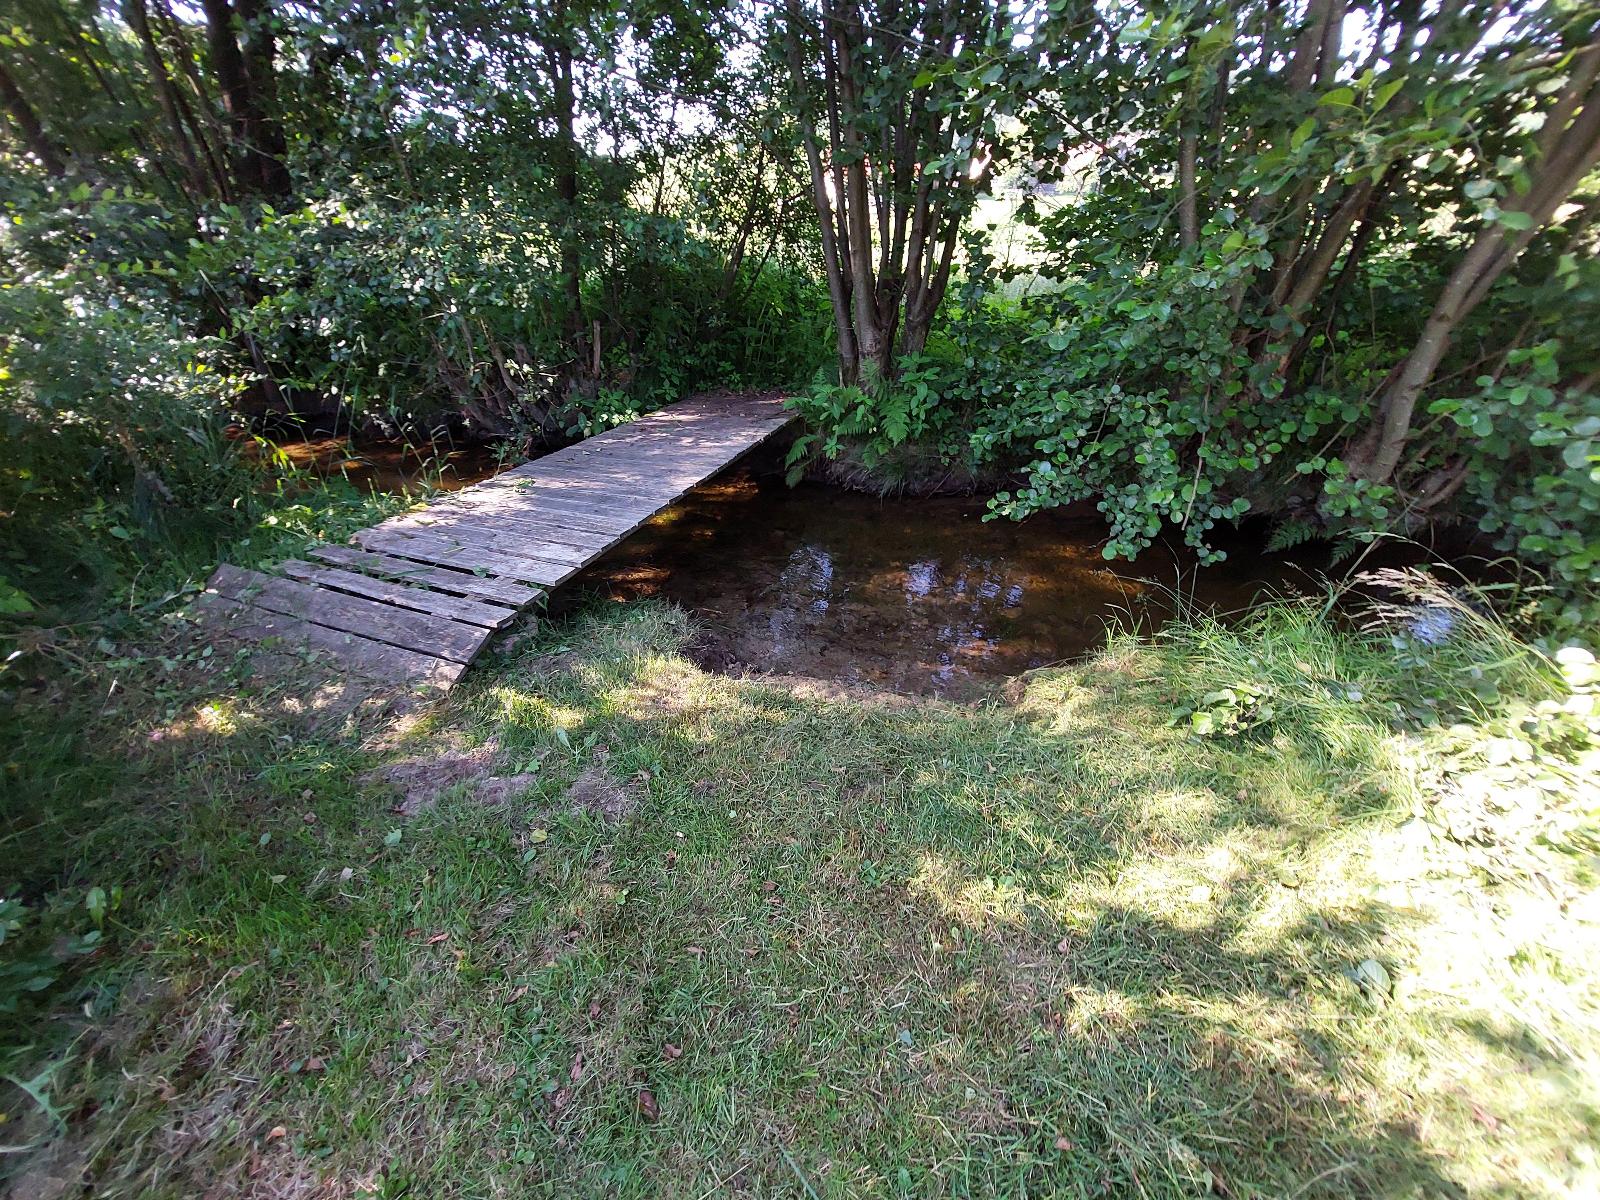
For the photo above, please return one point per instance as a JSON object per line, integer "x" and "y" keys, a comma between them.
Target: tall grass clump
{"x": 1501, "y": 735}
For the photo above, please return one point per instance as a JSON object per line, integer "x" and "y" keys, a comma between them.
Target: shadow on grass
{"x": 943, "y": 951}
{"x": 847, "y": 945}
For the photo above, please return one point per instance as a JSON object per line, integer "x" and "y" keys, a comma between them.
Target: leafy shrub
{"x": 115, "y": 430}
{"x": 456, "y": 307}
{"x": 1533, "y": 475}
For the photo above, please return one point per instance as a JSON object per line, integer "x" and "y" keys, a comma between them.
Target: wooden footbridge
{"x": 416, "y": 597}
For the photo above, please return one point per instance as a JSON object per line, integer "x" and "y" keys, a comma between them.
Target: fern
{"x": 1291, "y": 532}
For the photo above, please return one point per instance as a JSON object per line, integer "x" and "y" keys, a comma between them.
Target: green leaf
{"x": 13, "y": 599}
{"x": 1513, "y": 219}
{"x": 1304, "y": 130}
{"x": 1387, "y": 93}
{"x": 1340, "y": 95}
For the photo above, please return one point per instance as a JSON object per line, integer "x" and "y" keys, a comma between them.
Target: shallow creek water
{"x": 913, "y": 595}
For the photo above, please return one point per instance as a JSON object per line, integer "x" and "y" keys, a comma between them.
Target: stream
{"x": 912, "y": 595}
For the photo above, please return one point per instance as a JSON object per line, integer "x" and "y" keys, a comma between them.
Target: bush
{"x": 115, "y": 430}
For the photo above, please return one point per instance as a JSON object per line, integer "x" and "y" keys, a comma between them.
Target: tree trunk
{"x": 1570, "y": 152}
{"x": 260, "y": 52}
{"x": 889, "y": 212}
{"x": 838, "y": 289}
{"x": 201, "y": 113}
{"x": 138, "y": 19}
{"x": 257, "y": 170}
{"x": 28, "y": 127}
{"x": 1188, "y": 204}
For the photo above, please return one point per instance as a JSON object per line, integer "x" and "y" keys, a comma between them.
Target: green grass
{"x": 840, "y": 944}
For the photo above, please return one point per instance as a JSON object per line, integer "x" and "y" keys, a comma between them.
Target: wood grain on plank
{"x": 593, "y": 505}
{"x": 425, "y": 600}
{"x": 482, "y": 587}
{"x": 581, "y": 527}
{"x": 439, "y": 637}
{"x": 445, "y": 553}
{"x": 549, "y": 528}
{"x": 373, "y": 660}
{"x": 488, "y": 536}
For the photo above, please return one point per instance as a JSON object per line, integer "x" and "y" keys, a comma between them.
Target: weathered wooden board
{"x": 581, "y": 493}
{"x": 446, "y": 553}
{"x": 374, "y": 660}
{"x": 549, "y": 529}
{"x": 592, "y": 509}
{"x": 455, "y": 608}
{"x": 495, "y": 536}
{"x": 483, "y": 587}
{"x": 442, "y": 637}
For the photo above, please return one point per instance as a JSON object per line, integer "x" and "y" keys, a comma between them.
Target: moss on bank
{"x": 783, "y": 938}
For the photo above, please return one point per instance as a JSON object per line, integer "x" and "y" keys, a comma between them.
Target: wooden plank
{"x": 590, "y": 503}
{"x": 482, "y": 587}
{"x": 570, "y": 484}
{"x": 371, "y": 659}
{"x": 485, "y": 535}
{"x": 456, "y": 608}
{"x": 653, "y": 460}
{"x": 646, "y": 449}
{"x": 443, "y": 553}
{"x": 622, "y": 487}
{"x": 435, "y": 636}
{"x": 637, "y": 478}
{"x": 547, "y": 540}
{"x": 571, "y": 528}
{"x": 642, "y": 434}
{"x": 553, "y": 529}
{"x": 583, "y": 525}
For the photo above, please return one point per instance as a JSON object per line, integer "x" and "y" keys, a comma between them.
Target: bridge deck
{"x": 416, "y": 597}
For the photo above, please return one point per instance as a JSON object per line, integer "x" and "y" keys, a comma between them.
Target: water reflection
{"x": 916, "y": 595}
{"x": 386, "y": 466}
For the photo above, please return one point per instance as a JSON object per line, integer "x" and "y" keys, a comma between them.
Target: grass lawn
{"x": 604, "y": 924}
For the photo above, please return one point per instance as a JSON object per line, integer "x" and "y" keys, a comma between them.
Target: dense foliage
{"x": 1332, "y": 264}
{"x": 1329, "y": 263}
{"x": 262, "y": 210}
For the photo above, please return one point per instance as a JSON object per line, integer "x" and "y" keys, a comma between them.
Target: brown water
{"x": 392, "y": 466}
{"x": 914, "y": 595}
